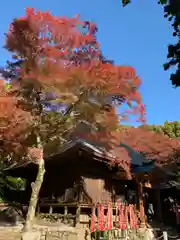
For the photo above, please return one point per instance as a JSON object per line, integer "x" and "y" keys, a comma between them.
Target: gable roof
{"x": 98, "y": 152}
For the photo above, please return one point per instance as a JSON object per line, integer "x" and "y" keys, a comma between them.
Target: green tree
{"x": 169, "y": 129}
{"x": 172, "y": 13}
{"x": 177, "y": 129}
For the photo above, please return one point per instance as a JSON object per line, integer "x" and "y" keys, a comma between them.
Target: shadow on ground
{"x": 11, "y": 216}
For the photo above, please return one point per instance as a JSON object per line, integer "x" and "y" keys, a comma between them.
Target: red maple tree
{"x": 61, "y": 57}
{"x": 14, "y": 123}
{"x": 128, "y": 143}
{"x": 151, "y": 145}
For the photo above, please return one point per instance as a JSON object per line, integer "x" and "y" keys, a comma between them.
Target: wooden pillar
{"x": 159, "y": 207}
{"x": 79, "y": 200}
{"x": 177, "y": 211}
{"x": 65, "y": 214}
{"x": 141, "y": 202}
{"x": 78, "y": 211}
{"x": 50, "y": 210}
{"x": 65, "y": 210}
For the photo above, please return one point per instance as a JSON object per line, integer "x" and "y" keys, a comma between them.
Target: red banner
{"x": 109, "y": 220}
{"x": 124, "y": 213}
{"x": 132, "y": 216}
{"x": 122, "y": 216}
{"x": 100, "y": 225}
{"x": 92, "y": 227}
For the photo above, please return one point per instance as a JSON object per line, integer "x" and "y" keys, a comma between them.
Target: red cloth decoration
{"x": 109, "y": 223}
{"x": 100, "y": 225}
{"x": 126, "y": 222}
{"x": 92, "y": 227}
{"x": 122, "y": 216}
{"x": 132, "y": 215}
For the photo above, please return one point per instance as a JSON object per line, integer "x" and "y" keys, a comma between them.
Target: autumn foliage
{"x": 62, "y": 55}
{"x": 127, "y": 143}
{"x": 14, "y": 122}
{"x": 153, "y": 146}
{"x": 57, "y": 60}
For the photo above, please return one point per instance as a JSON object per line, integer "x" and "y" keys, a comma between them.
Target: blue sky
{"x": 137, "y": 35}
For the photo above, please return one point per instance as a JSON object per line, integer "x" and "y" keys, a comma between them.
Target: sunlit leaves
{"x": 62, "y": 59}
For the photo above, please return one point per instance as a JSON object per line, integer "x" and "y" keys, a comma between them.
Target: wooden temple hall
{"x": 79, "y": 177}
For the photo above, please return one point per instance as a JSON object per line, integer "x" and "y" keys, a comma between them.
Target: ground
{"x": 9, "y": 235}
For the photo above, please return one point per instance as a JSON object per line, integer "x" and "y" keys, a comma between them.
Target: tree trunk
{"x": 36, "y": 186}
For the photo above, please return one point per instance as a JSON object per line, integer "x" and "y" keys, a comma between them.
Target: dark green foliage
{"x": 11, "y": 188}
{"x": 172, "y": 13}
{"x": 125, "y": 2}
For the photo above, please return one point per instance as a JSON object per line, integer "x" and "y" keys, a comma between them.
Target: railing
{"x": 112, "y": 235}
{"x": 63, "y": 235}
